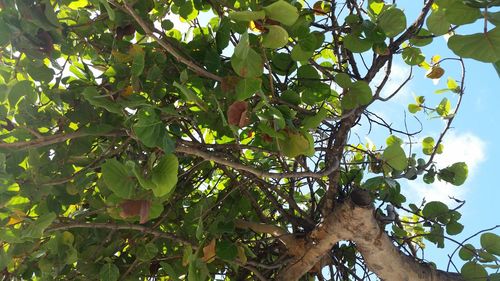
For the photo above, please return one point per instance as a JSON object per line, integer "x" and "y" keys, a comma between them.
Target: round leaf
{"x": 275, "y": 38}
{"x": 283, "y": 12}
{"x": 356, "y": 44}
{"x": 437, "y": 23}
{"x": 117, "y": 178}
{"x": 164, "y": 175}
{"x": 392, "y": 22}
{"x": 491, "y": 243}
{"x": 472, "y": 271}
{"x": 226, "y": 250}
{"x": 413, "y": 56}
{"x": 467, "y": 252}
{"x": 479, "y": 46}
{"x": 435, "y": 209}
{"x": 395, "y": 157}
{"x": 109, "y": 272}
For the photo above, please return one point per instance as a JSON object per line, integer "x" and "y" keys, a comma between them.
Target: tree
{"x": 130, "y": 149}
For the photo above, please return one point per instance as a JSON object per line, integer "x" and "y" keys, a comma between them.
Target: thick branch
{"x": 357, "y": 224}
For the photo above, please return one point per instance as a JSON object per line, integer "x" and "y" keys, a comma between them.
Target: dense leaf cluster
{"x": 131, "y": 148}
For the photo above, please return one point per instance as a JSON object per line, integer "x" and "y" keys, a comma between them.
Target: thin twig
{"x": 190, "y": 64}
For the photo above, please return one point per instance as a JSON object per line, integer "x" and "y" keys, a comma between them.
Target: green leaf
{"x": 395, "y": 157}
{"x": 36, "y": 228}
{"x": 356, "y": 44}
{"x": 393, "y": 140}
{"x": 276, "y": 37}
{"x": 109, "y": 10}
{"x": 138, "y": 62}
{"x": 493, "y": 17}
{"x": 5, "y": 33}
{"x": 247, "y": 87}
{"x": 412, "y": 56}
{"x": 109, "y": 272}
{"x": 117, "y": 178}
{"x": 444, "y": 107}
{"x": 191, "y": 96}
{"x": 437, "y": 23}
{"x": 294, "y": 145}
{"x": 454, "y": 228}
{"x": 245, "y": 61}
{"x": 283, "y": 12}
{"x": 94, "y": 98}
{"x": 455, "y": 174}
{"x": 358, "y": 94}
{"x": 343, "y": 80}
{"x": 428, "y": 145}
{"x": 435, "y": 209}
{"x": 392, "y": 21}
{"x": 307, "y": 75}
{"x": 458, "y": 13}
{"x": 471, "y": 271}
{"x": 312, "y": 122}
{"x": 151, "y": 131}
{"x": 494, "y": 277}
{"x": 40, "y": 72}
{"x": 496, "y": 65}
{"x": 414, "y": 108}
{"x": 291, "y": 97}
{"x": 299, "y": 54}
{"x": 164, "y": 175}
{"x": 467, "y": 252}
{"x": 247, "y": 15}
{"x": 146, "y": 252}
{"x": 420, "y": 42}
{"x": 491, "y": 243}
{"x": 21, "y": 89}
{"x": 226, "y": 250}
{"x": 484, "y": 47}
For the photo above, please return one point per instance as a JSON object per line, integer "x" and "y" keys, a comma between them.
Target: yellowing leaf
{"x": 294, "y": 145}
{"x": 78, "y": 4}
{"x": 14, "y": 220}
{"x": 241, "y": 254}
{"x": 121, "y": 57}
{"x": 129, "y": 90}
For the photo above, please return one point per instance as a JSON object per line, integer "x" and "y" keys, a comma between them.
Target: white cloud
{"x": 466, "y": 148}
{"x": 399, "y": 74}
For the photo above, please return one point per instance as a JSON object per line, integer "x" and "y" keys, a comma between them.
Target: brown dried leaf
{"x": 237, "y": 114}
{"x": 209, "y": 252}
{"x": 132, "y": 208}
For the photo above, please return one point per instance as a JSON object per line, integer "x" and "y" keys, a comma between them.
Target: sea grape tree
{"x": 132, "y": 148}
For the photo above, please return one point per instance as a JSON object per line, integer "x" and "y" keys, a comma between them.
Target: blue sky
{"x": 473, "y": 138}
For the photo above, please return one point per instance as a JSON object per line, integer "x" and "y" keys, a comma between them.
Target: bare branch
{"x": 114, "y": 226}
{"x": 261, "y": 174}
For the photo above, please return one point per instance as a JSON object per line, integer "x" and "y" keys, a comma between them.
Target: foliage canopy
{"x": 130, "y": 149}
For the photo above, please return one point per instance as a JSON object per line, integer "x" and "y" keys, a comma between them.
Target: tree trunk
{"x": 358, "y": 224}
